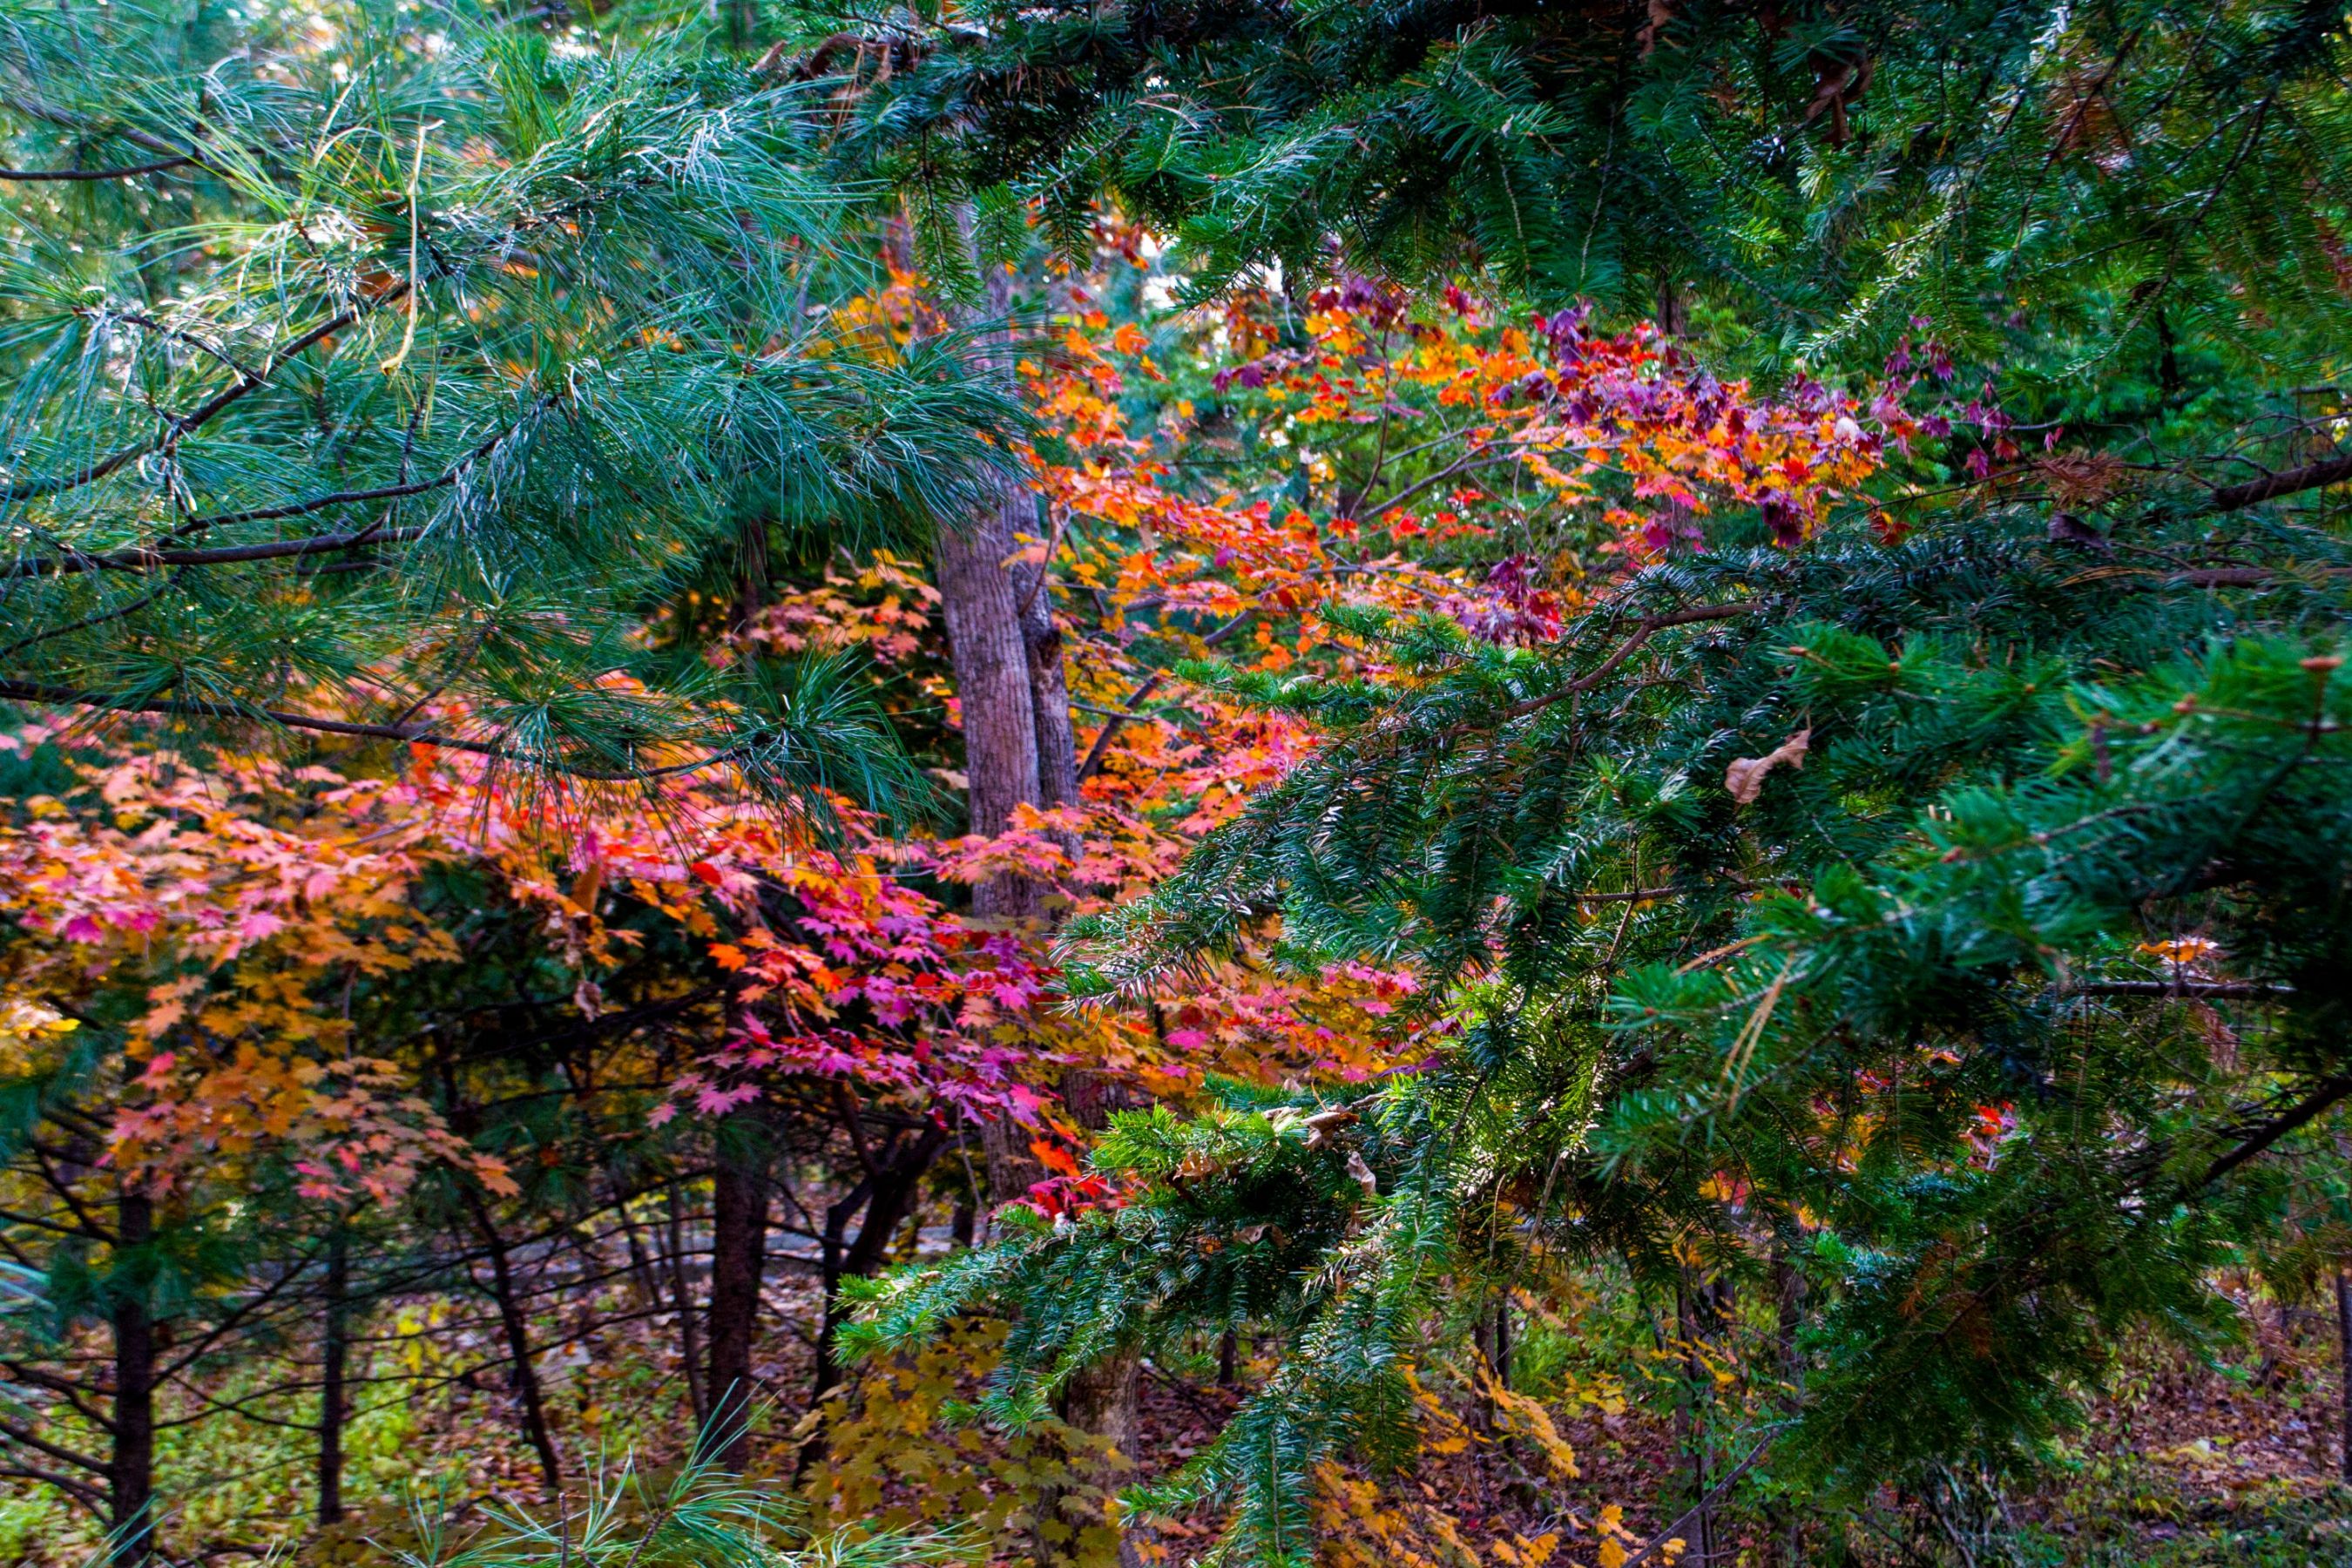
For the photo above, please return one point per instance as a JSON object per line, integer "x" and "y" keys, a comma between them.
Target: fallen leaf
{"x": 1745, "y": 777}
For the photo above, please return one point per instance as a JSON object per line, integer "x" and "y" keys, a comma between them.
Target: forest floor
{"x": 2184, "y": 1463}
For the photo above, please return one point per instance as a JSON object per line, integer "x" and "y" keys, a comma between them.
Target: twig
{"x": 1136, "y": 699}
{"x": 2180, "y": 988}
{"x": 1714, "y": 1494}
{"x": 1650, "y": 627}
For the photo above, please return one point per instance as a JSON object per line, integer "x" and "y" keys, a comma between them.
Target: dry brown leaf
{"x": 1745, "y": 777}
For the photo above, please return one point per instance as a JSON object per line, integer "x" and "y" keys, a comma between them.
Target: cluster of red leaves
{"x": 239, "y": 897}
{"x": 836, "y": 968}
{"x": 237, "y": 901}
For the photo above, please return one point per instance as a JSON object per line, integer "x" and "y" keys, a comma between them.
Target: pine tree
{"x": 371, "y": 374}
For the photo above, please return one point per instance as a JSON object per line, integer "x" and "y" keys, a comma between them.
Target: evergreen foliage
{"x": 376, "y": 372}
{"x": 1914, "y": 1002}
{"x": 1827, "y": 170}
{"x": 1941, "y": 919}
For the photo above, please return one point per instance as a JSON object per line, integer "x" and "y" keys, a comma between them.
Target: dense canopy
{"x": 1261, "y": 781}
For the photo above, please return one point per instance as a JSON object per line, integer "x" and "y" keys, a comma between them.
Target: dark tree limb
{"x": 201, "y": 414}
{"x": 2262, "y": 1136}
{"x": 2191, "y": 988}
{"x": 88, "y": 1496}
{"x": 132, "y": 171}
{"x": 2270, "y": 487}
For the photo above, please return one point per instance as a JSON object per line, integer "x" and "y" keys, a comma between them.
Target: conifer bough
{"x": 419, "y": 369}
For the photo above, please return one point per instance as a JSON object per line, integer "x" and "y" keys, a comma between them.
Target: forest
{"x": 1102, "y": 784}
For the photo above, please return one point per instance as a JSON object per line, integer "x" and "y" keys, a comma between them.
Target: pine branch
{"x": 1648, "y": 627}
{"x": 129, "y": 172}
{"x": 203, "y": 415}
{"x": 148, "y": 557}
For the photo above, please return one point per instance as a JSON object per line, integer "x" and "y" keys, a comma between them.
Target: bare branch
{"x": 2270, "y": 487}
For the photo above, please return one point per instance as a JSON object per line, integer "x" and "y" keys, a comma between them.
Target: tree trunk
{"x": 641, "y": 1264}
{"x": 980, "y": 602}
{"x": 751, "y": 581}
{"x": 739, "y": 1256}
{"x": 334, "y": 1347}
{"x": 2344, "y": 1365}
{"x": 888, "y": 1196}
{"x": 518, "y": 1332}
{"x": 131, "y": 1474}
{"x": 1102, "y": 1400}
{"x": 1049, "y": 690}
{"x": 688, "y": 1329}
{"x": 1019, "y": 747}
{"x": 1789, "y": 1302}
{"x": 989, "y": 645}
{"x": 1696, "y": 1318}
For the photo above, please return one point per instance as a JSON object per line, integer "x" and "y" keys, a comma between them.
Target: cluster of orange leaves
{"x": 242, "y": 897}
{"x": 238, "y": 902}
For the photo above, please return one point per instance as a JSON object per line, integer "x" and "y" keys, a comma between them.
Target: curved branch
{"x": 1110, "y": 726}
{"x": 204, "y": 413}
{"x": 88, "y": 1496}
{"x": 2261, "y": 1137}
{"x": 2294, "y": 481}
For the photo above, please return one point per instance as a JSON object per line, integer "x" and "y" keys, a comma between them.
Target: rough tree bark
{"x": 1019, "y": 747}
{"x": 979, "y": 602}
{"x": 132, "y": 1475}
{"x": 1049, "y": 691}
{"x": 1102, "y": 1400}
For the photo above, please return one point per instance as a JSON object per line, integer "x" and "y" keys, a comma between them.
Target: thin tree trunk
{"x": 641, "y": 1263}
{"x": 752, "y": 583}
{"x": 739, "y": 1256}
{"x": 887, "y": 1197}
{"x": 688, "y": 1324}
{"x": 2344, "y": 1364}
{"x": 131, "y": 1474}
{"x": 1691, "y": 1418}
{"x": 1789, "y": 1300}
{"x": 518, "y": 1332}
{"x": 332, "y": 1352}
{"x": 1228, "y": 1356}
